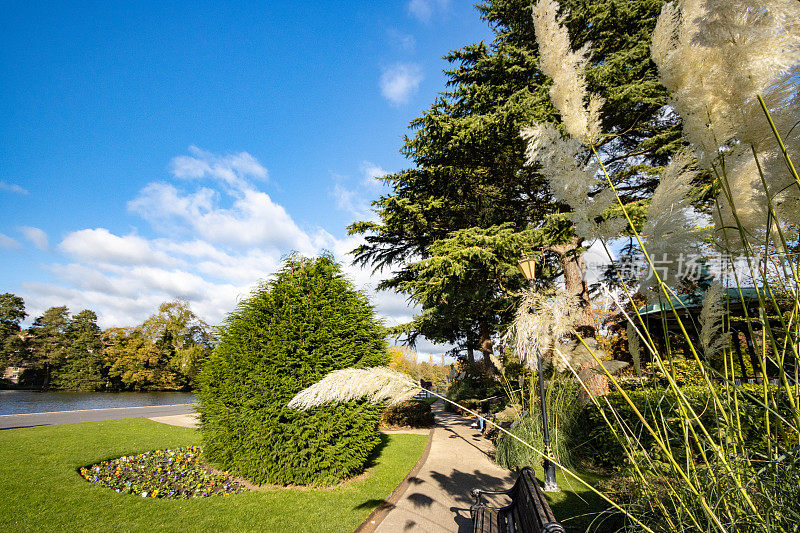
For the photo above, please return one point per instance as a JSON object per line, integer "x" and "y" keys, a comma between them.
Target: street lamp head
{"x": 527, "y": 268}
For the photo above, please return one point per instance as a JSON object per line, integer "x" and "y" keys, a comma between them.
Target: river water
{"x": 23, "y": 401}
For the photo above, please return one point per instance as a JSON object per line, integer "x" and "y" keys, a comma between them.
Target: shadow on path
{"x": 438, "y": 497}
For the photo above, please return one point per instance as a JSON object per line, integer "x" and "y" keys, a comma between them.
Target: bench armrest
{"x": 477, "y": 494}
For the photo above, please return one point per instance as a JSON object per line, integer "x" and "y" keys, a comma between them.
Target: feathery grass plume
{"x": 712, "y": 337}
{"x": 635, "y": 348}
{"x": 575, "y": 184}
{"x": 671, "y": 230}
{"x": 542, "y": 321}
{"x": 497, "y": 362}
{"x": 744, "y": 199}
{"x": 715, "y": 56}
{"x": 377, "y": 384}
{"x": 566, "y": 67}
{"x": 570, "y": 183}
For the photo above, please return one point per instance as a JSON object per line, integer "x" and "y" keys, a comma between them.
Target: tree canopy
{"x": 12, "y": 313}
{"x": 289, "y": 334}
{"x": 469, "y": 187}
{"x": 72, "y": 353}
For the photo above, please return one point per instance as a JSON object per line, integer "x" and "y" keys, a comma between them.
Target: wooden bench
{"x": 528, "y": 511}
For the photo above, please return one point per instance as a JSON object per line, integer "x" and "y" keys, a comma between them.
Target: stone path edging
{"x": 379, "y": 513}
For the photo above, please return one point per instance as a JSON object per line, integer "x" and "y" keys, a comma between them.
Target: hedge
{"x": 595, "y": 441}
{"x": 287, "y": 335}
{"x": 411, "y": 413}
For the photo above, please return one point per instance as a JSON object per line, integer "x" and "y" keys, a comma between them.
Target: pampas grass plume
{"x": 542, "y": 321}
{"x": 635, "y": 347}
{"x": 566, "y": 67}
{"x": 377, "y": 384}
{"x": 712, "y": 337}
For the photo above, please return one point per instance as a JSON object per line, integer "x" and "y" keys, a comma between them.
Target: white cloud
{"x": 372, "y": 174}
{"x": 232, "y": 169}
{"x": 399, "y": 82}
{"x": 351, "y": 201}
{"x": 99, "y": 244}
{"x": 211, "y": 246}
{"x": 403, "y": 41}
{"x": 253, "y": 219}
{"x": 358, "y": 200}
{"x": 11, "y": 187}
{"x": 7, "y": 242}
{"x": 423, "y": 10}
{"x": 36, "y": 236}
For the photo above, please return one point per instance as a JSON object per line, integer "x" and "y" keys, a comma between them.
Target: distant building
{"x": 13, "y": 373}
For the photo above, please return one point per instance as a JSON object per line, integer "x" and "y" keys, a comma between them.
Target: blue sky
{"x": 160, "y": 150}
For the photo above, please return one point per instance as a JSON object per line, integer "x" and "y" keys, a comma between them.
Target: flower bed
{"x": 172, "y": 474}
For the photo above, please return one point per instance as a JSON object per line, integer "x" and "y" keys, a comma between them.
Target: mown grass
{"x": 576, "y": 507}
{"x": 41, "y": 490}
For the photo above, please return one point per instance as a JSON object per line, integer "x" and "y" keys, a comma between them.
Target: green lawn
{"x": 41, "y": 490}
{"x": 577, "y": 507}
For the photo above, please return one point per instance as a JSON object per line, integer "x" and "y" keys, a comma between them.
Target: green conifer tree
{"x": 287, "y": 335}
{"x": 470, "y": 187}
{"x": 83, "y": 367}
{"x": 12, "y": 348}
{"x": 49, "y": 341}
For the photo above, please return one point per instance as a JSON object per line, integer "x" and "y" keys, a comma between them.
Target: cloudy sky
{"x": 163, "y": 150}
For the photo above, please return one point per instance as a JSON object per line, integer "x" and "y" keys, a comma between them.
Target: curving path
{"x": 438, "y": 496}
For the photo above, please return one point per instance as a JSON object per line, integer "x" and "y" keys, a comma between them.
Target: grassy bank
{"x": 577, "y": 508}
{"x": 42, "y": 490}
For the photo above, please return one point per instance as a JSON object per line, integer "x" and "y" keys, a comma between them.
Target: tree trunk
{"x": 738, "y": 349}
{"x": 574, "y": 268}
{"x": 754, "y": 360}
{"x": 485, "y": 341}
{"x": 470, "y": 353}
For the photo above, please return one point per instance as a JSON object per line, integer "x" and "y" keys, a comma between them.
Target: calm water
{"x": 23, "y": 401}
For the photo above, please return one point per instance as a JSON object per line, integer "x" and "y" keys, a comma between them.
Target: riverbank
{"x": 27, "y": 420}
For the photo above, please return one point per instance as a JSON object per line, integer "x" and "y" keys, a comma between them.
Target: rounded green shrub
{"x": 411, "y": 413}
{"x": 290, "y": 333}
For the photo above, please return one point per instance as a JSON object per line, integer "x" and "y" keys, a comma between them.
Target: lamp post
{"x": 526, "y": 266}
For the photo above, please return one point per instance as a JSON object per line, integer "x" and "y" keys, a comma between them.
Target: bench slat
{"x": 527, "y": 513}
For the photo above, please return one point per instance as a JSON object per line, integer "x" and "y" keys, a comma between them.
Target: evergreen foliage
{"x": 83, "y": 367}
{"x": 469, "y": 187}
{"x": 12, "y": 312}
{"x": 287, "y": 335}
{"x": 48, "y": 341}
{"x": 411, "y": 413}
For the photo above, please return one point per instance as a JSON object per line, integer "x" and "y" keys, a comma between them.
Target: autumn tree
{"x": 183, "y": 340}
{"x": 134, "y": 360}
{"x": 165, "y": 352}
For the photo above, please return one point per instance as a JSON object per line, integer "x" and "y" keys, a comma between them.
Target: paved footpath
{"x": 438, "y": 498}
{"x": 92, "y": 415}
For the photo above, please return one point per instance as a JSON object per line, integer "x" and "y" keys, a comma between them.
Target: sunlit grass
{"x": 41, "y": 489}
